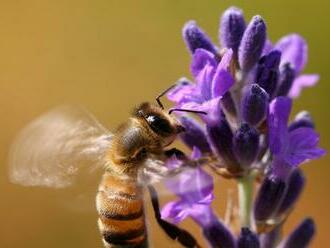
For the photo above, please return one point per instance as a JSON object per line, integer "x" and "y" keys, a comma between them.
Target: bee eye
{"x": 159, "y": 125}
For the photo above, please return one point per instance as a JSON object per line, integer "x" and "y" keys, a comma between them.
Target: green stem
{"x": 245, "y": 191}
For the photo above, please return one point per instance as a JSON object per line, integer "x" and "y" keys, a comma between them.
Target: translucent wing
{"x": 53, "y": 149}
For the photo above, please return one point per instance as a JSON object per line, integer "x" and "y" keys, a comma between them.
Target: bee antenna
{"x": 186, "y": 110}
{"x": 162, "y": 94}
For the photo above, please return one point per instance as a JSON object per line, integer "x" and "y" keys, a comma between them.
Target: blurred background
{"x": 110, "y": 55}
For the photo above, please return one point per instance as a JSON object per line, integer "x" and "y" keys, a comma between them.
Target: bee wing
{"x": 53, "y": 149}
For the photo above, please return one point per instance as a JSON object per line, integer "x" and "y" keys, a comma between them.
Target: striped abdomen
{"x": 121, "y": 217}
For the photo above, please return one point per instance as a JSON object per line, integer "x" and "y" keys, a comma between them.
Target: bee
{"x": 52, "y": 150}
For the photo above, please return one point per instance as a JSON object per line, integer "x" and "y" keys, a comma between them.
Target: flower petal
{"x": 211, "y": 107}
{"x": 294, "y": 50}
{"x": 175, "y": 211}
{"x": 204, "y": 81}
{"x": 303, "y": 145}
{"x": 303, "y": 81}
{"x": 223, "y": 80}
{"x": 193, "y": 186}
{"x": 279, "y": 111}
{"x": 200, "y": 59}
{"x": 185, "y": 91}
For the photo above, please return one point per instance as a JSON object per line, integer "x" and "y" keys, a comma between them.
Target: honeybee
{"x": 52, "y": 150}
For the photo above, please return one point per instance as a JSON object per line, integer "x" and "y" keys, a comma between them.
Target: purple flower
{"x": 213, "y": 80}
{"x": 267, "y": 71}
{"x": 248, "y": 239}
{"x": 246, "y": 144}
{"x": 195, "y": 190}
{"x": 254, "y": 104}
{"x": 302, "y": 236}
{"x": 196, "y": 38}
{"x": 289, "y": 148}
{"x": 194, "y": 135}
{"x": 294, "y": 51}
{"x": 252, "y": 44}
{"x": 232, "y": 27}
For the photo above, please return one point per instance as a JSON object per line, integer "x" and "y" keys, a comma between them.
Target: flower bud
{"x": 295, "y": 186}
{"x": 270, "y": 239}
{"x": 194, "y": 135}
{"x": 246, "y": 144}
{"x": 220, "y": 138}
{"x": 254, "y": 104}
{"x": 252, "y": 44}
{"x": 302, "y": 119}
{"x": 287, "y": 75}
{"x": 268, "y": 198}
{"x": 219, "y": 236}
{"x": 248, "y": 239}
{"x": 301, "y": 236}
{"x": 232, "y": 26}
{"x": 228, "y": 105}
{"x": 196, "y": 38}
{"x": 267, "y": 72}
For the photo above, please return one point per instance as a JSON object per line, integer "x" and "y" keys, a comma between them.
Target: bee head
{"x": 161, "y": 123}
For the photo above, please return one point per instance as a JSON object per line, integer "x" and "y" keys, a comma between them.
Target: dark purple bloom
{"x": 294, "y": 51}
{"x": 269, "y": 197}
{"x": 301, "y": 236}
{"x": 302, "y": 119}
{"x": 246, "y": 144}
{"x": 267, "y": 71}
{"x": 219, "y": 235}
{"x": 196, "y": 38}
{"x": 295, "y": 187}
{"x": 287, "y": 76}
{"x": 289, "y": 148}
{"x": 232, "y": 27}
{"x": 248, "y": 239}
{"x": 254, "y": 104}
{"x": 220, "y": 138}
{"x": 194, "y": 135}
{"x": 252, "y": 44}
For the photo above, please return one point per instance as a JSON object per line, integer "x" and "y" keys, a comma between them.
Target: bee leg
{"x": 173, "y": 231}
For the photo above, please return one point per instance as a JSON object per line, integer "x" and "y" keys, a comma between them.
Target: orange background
{"x": 110, "y": 55}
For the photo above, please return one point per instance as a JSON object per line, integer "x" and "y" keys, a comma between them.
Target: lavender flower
{"x": 301, "y": 236}
{"x": 213, "y": 81}
{"x": 247, "y": 91}
{"x": 289, "y": 148}
{"x": 248, "y": 239}
{"x": 294, "y": 51}
{"x": 252, "y": 44}
{"x": 246, "y": 144}
{"x": 254, "y": 104}
{"x": 232, "y": 27}
{"x": 194, "y": 188}
{"x": 267, "y": 71}
{"x": 194, "y": 135}
{"x": 196, "y": 38}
